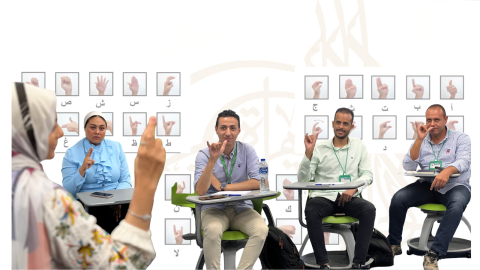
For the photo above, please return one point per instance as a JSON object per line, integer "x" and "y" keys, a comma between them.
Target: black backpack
{"x": 279, "y": 252}
{"x": 379, "y": 248}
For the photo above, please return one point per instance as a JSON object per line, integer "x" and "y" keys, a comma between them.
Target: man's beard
{"x": 341, "y": 138}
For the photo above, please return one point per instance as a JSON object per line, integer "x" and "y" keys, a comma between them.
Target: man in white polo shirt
{"x": 341, "y": 159}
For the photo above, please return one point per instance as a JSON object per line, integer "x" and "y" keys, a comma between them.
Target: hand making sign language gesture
{"x": 350, "y": 88}
{"x": 101, "y": 85}
{"x": 452, "y": 90}
{"x": 178, "y": 235}
{"x": 167, "y": 125}
{"x": 316, "y": 89}
{"x": 72, "y": 126}
{"x": 66, "y": 84}
{"x": 383, "y": 129}
{"x": 310, "y": 141}
{"x": 133, "y": 85}
{"x": 382, "y": 89}
{"x": 87, "y": 163}
{"x": 167, "y": 85}
{"x": 417, "y": 89}
{"x": 134, "y": 126}
{"x": 34, "y": 82}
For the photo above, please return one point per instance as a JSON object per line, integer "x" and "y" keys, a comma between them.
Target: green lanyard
{"x": 436, "y": 156}
{"x": 229, "y": 175}
{"x": 346, "y": 160}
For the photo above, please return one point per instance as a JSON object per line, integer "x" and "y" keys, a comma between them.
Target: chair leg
{"x": 201, "y": 261}
{"x": 427, "y": 231}
{"x": 229, "y": 255}
{"x": 304, "y": 243}
{"x": 467, "y": 223}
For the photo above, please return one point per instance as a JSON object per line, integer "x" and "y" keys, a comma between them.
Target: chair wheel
{"x": 409, "y": 252}
{"x": 469, "y": 255}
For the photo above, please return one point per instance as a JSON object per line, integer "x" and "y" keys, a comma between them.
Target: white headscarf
{"x": 94, "y": 113}
{"x": 33, "y": 119}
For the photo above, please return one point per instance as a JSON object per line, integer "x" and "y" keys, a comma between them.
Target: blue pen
{"x": 325, "y": 184}
{"x": 234, "y": 195}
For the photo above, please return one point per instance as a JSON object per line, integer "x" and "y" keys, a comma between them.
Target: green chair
{"x": 340, "y": 225}
{"x": 419, "y": 245}
{"x": 232, "y": 241}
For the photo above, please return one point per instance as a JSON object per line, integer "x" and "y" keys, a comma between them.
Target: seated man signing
{"x": 229, "y": 165}
{"x": 435, "y": 145}
{"x": 340, "y": 159}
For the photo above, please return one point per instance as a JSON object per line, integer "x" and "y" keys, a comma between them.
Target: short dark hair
{"x": 437, "y": 106}
{"x": 343, "y": 110}
{"x": 86, "y": 123}
{"x": 228, "y": 113}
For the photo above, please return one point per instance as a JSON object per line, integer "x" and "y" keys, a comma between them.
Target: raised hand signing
{"x": 316, "y": 130}
{"x": 316, "y": 89}
{"x": 66, "y": 84}
{"x": 414, "y": 127}
{"x": 167, "y": 125}
{"x": 422, "y": 130}
{"x": 180, "y": 188}
{"x": 417, "y": 89}
{"x": 350, "y": 88}
{"x": 133, "y": 85}
{"x": 167, "y": 85}
{"x": 383, "y": 128}
{"x": 101, "y": 85}
{"x": 134, "y": 126}
{"x": 451, "y": 89}
{"x": 178, "y": 235}
{"x": 382, "y": 89}
{"x": 87, "y": 163}
{"x": 216, "y": 149}
{"x": 310, "y": 141}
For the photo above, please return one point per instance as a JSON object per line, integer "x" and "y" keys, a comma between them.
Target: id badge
{"x": 344, "y": 178}
{"x": 435, "y": 164}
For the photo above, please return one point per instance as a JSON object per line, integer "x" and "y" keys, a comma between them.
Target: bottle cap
{"x": 263, "y": 159}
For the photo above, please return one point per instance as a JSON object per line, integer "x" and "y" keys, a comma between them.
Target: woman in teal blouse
{"x": 97, "y": 164}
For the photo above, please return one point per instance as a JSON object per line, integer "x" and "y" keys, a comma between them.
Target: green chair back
{"x": 181, "y": 199}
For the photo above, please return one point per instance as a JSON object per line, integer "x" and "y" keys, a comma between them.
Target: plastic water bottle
{"x": 263, "y": 171}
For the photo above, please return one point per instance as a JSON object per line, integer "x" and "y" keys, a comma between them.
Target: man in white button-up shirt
{"x": 341, "y": 159}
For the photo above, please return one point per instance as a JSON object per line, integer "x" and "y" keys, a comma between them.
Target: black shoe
{"x": 356, "y": 266}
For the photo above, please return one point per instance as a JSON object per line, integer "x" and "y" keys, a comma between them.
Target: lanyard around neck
{"x": 229, "y": 175}
{"x": 346, "y": 160}
{"x": 435, "y": 155}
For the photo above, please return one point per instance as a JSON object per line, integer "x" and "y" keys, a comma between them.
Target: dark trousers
{"x": 416, "y": 194}
{"x": 317, "y": 208}
{"x": 105, "y": 216}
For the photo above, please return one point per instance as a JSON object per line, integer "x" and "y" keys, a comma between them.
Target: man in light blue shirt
{"x": 227, "y": 166}
{"x": 436, "y": 145}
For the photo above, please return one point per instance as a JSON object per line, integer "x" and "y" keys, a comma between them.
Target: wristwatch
{"x": 223, "y": 186}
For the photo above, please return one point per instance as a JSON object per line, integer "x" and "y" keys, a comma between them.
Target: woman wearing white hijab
{"x": 50, "y": 229}
{"x": 97, "y": 164}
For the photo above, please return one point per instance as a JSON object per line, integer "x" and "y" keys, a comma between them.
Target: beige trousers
{"x": 215, "y": 222}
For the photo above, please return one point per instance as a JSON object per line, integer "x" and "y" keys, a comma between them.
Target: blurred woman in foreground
{"x": 50, "y": 229}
